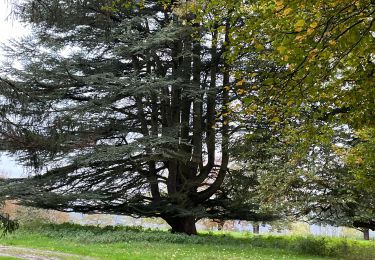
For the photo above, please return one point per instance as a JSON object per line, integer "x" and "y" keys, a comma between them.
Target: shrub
{"x": 310, "y": 246}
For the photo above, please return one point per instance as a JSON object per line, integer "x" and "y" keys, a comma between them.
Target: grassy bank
{"x": 136, "y": 243}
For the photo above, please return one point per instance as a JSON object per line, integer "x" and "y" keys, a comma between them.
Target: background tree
{"x": 325, "y": 191}
{"x": 317, "y": 186}
{"x": 124, "y": 108}
{"x": 323, "y": 85}
{"x": 326, "y": 46}
{"x": 7, "y": 225}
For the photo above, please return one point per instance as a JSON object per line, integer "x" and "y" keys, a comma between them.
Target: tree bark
{"x": 182, "y": 225}
{"x": 366, "y": 234}
{"x": 256, "y": 228}
{"x": 220, "y": 225}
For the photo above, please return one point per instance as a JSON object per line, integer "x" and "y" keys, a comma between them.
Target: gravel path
{"x": 37, "y": 254}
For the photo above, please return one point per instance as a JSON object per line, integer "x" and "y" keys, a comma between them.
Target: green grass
{"x": 135, "y": 243}
{"x": 8, "y": 258}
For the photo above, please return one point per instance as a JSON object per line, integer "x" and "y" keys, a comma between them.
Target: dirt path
{"x": 37, "y": 254}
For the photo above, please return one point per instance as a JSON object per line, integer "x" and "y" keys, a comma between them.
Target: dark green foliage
{"x": 124, "y": 110}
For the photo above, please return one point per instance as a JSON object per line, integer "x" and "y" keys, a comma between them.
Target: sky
{"x": 8, "y": 29}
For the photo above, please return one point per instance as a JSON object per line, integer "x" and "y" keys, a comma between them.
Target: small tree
{"x": 7, "y": 225}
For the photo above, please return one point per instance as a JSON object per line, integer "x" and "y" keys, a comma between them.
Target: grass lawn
{"x": 134, "y": 243}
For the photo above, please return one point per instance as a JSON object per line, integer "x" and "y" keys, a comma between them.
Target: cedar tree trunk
{"x": 182, "y": 225}
{"x": 366, "y": 234}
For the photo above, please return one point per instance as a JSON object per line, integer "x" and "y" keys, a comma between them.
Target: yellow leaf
{"x": 240, "y": 83}
{"x": 310, "y": 30}
{"x": 227, "y": 88}
{"x": 281, "y": 49}
{"x": 300, "y": 23}
{"x": 298, "y": 26}
{"x": 240, "y": 91}
{"x": 300, "y": 38}
{"x": 314, "y": 25}
{"x": 279, "y": 2}
{"x": 298, "y": 29}
{"x": 287, "y": 11}
{"x": 359, "y": 160}
{"x": 332, "y": 42}
{"x": 279, "y": 5}
{"x": 312, "y": 54}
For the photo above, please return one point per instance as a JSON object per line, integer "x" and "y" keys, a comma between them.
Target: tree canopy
{"x": 124, "y": 109}
{"x": 327, "y": 50}
{"x": 192, "y": 109}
